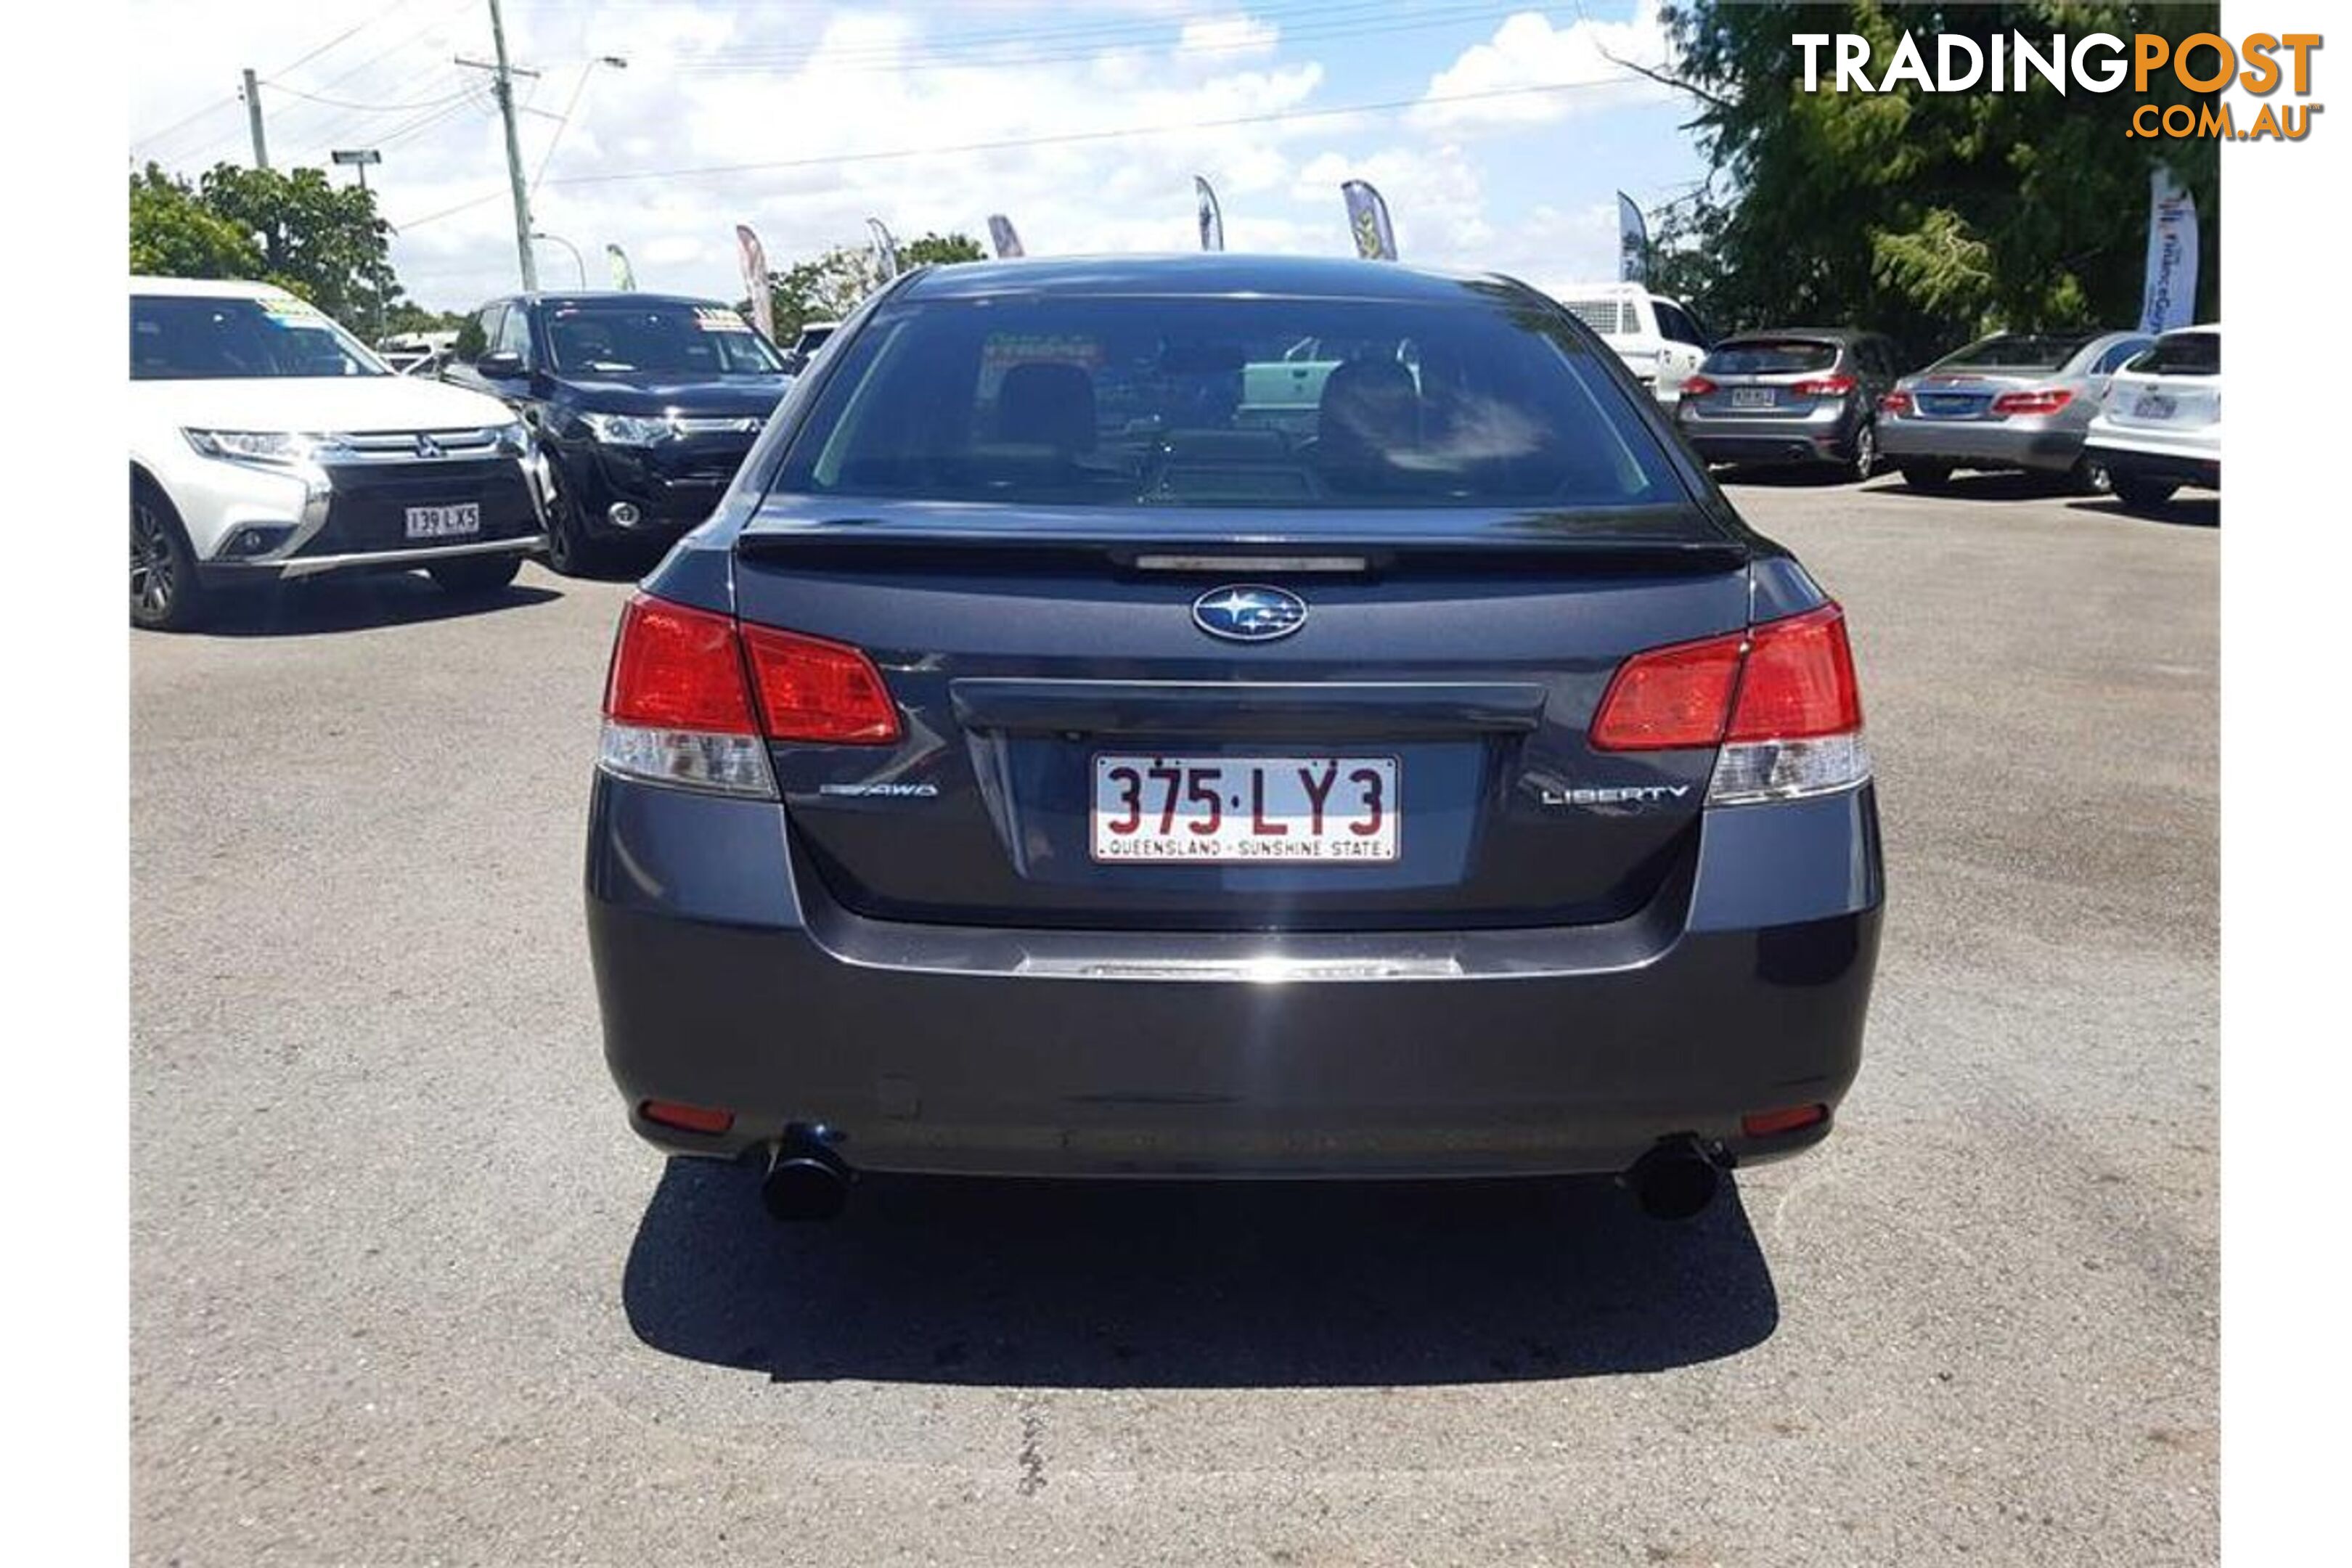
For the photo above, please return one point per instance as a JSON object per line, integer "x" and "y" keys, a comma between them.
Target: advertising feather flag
{"x": 885, "y": 250}
{"x": 1632, "y": 242}
{"x": 2169, "y": 297}
{"x": 1002, "y": 237}
{"x": 755, "y": 280}
{"x": 623, "y": 278}
{"x": 1212, "y": 217}
{"x": 1368, "y": 222}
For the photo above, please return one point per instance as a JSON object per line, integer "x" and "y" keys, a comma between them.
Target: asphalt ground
{"x": 406, "y": 1291}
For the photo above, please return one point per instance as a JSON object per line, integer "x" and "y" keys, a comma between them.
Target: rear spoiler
{"x": 1674, "y": 542}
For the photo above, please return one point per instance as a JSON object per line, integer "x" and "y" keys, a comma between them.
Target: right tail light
{"x": 1779, "y": 701}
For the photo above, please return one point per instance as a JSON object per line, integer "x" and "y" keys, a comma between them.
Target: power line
{"x": 1058, "y": 139}
{"x": 365, "y": 108}
{"x": 186, "y": 120}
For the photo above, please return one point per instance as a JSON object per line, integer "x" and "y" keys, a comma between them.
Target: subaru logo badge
{"x": 1249, "y": 612}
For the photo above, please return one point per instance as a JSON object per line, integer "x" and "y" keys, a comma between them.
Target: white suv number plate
{"x": 445, "y": 521}
{"x": 1241, "y": 810}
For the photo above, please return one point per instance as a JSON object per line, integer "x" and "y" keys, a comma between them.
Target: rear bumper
{"x": 728, "y": 978}
{"x": 1826, "y": 437}
{"x": 1987, "y": 444}
{"x": 2185, "y": 462}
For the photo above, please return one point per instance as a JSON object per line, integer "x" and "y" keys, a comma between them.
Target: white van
{"x": 1660, "y": 342}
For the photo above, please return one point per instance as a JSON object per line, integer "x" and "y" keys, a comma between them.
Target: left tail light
{"x": 1779, "y": 701}
{"x": 1896, "y": 403}
{"x": 693, "y": 699}
{"x": 1697, "y": 385}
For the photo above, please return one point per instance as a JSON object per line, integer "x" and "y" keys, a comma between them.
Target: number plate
{"x": 445, "y": 521}
{"x": 1243, "y": 810}
{"x": 1751, "y": 397}
{"x": 2152, "y": 405}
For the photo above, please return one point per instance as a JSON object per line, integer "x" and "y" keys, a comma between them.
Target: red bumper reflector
{"x": 1787, "y": 1119}
{"x": 687, "y": 1118}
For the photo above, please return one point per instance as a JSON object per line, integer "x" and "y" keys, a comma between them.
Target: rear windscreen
{"x": 1776, "y": 357}
{"x": 2182, "y": 354}
{"x": 2020, "y": 351}
{"x": 1092, "y": 400}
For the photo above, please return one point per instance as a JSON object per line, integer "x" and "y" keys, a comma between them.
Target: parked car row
{"x": 267, "y": 443}
{"x": 2131, "y": 411}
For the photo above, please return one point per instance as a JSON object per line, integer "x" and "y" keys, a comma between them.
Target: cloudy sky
{"x": 1498, "y": 132}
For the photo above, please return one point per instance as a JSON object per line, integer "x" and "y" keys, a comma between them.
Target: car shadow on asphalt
{"x": 327, "y": 605}
{"x": 1192, "y": 1285}
{"x": 2180, "y": 511}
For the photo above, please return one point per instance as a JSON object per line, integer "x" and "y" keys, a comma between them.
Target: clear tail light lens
{"x": 1779, "y": 701}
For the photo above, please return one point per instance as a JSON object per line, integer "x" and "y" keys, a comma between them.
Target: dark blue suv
{"x": 644, "y": 405}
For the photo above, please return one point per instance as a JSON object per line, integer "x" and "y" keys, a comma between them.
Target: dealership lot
{"x": 406, "y": 1291}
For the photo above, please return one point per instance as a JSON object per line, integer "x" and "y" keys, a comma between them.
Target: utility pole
{"x": 502, "y": 84}
{"x": 253, "y": 117}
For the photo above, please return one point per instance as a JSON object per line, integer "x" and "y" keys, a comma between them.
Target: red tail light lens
{"x": 1825, "y": 387}
{"x": 1669, "y": 696}
{"x": 1787, "y": 1119}
{"x": 811, "y": 690}
{"x": 1696, "y": 386}
{"x": 2046, "y": 400}
{"x": 1787, "y": 680}
{"x": 678, "y": 669}
{"x": 1799, "y": 682}
{"x": 1894, "y": 403}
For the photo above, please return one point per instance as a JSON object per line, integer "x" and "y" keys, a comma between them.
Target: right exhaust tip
{"x": 801, "y": 1187}
{"x": 1674, "y": 1181}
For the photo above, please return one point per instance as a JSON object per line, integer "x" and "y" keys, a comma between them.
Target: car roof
{"x": 601, "y": 296}
{"x": 1764, "y": 334}
{"x": 2192, "y": 327}
{"x": 1201, "y": 273}
{"x": 208, "y": 288}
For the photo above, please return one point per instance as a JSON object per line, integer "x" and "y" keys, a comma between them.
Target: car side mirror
{"x": 500, "y": 365}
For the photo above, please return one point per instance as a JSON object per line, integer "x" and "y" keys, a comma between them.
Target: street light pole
{"x": 578, "y": 265}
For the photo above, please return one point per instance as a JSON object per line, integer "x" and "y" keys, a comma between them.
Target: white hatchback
{"x": 266, "y": 442}
{"x": 2160, "y": 428}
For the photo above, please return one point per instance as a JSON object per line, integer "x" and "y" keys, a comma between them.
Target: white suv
{"x": 266, "y": 442}
{"x": 2161, "y": 426}
{"x": 1660, "y": 342}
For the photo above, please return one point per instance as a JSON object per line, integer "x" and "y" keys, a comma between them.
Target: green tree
{"x": 174, "y": 235}
{"x": 319, "y": 240}
{"x": 936, "y": 250}
{"x": 1930, "y": 215}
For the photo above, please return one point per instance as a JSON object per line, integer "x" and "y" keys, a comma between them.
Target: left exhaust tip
{"x": 801, "y": 1186}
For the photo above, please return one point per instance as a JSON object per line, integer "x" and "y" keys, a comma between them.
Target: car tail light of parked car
{"x": 693, "y": 699}
{"x": 1896, "y": 403}
{"x": 1696, "y": 386}
{"x": 1824, "y": 386}
{"x": 2042, "y": 400}
{"x": 1780, "y": 701}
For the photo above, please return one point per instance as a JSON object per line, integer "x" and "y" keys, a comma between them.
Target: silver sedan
{"x": 2015, "y": 400}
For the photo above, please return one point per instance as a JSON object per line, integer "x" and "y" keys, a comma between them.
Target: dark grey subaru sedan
{"x": 1234, "y": 717}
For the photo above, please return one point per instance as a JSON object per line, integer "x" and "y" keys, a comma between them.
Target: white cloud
{"x": 1527, "y": 52}
{"x": 990, "y": 103}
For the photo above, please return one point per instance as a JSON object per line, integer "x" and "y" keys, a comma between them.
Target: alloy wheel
{"x": 154, "y": 573}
